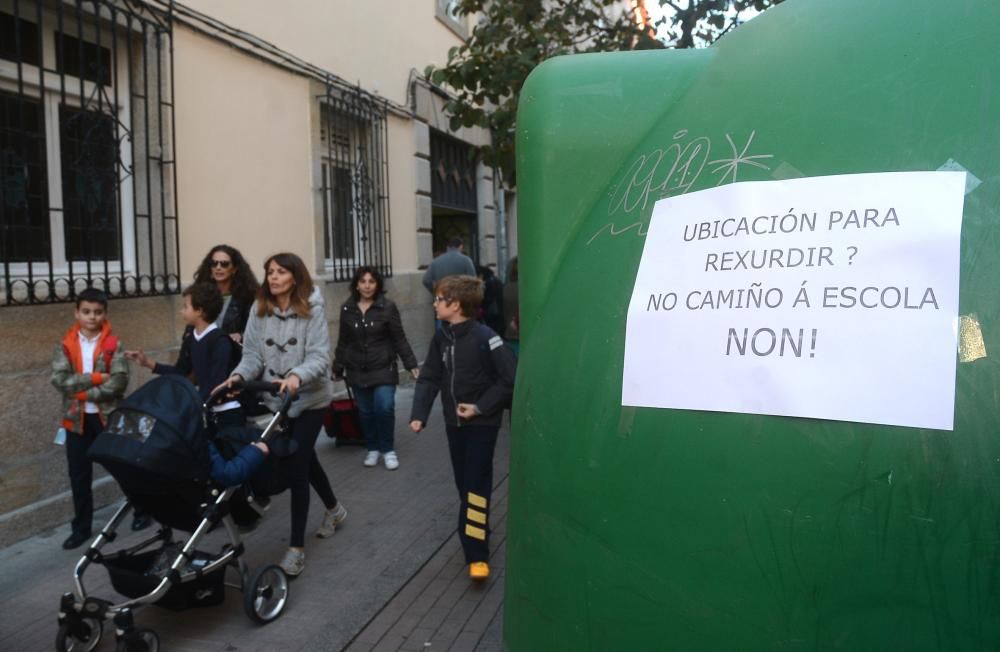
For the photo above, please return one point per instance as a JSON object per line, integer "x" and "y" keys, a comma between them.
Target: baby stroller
{"x": 155, "y": 446}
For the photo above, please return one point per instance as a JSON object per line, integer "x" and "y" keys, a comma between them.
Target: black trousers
{"x": 81, "y": 473}
{"x": 305, "y": 471}
{"x": 471, "y": 449}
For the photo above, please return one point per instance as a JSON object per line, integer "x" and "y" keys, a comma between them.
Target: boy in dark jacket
{"x": 207, "y": 355}
{"x": 206, "y": 351}
{"x": 89, "y": 370}
{"x": 468, "y": 363}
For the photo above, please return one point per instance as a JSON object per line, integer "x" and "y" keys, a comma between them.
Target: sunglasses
{"x": 224, "y": 264}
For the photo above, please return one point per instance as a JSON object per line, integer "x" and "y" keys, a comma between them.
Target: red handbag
{"x": 342, "y": 421}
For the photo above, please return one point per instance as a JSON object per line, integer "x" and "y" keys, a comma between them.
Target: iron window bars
{"x": 87, "y": 172}
{"x": 355, "y": 182}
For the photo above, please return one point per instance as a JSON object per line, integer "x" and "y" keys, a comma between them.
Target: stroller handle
{"x": 255, "y": 386}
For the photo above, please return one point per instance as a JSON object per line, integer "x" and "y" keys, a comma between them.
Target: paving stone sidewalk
{"x": 392, "y": 578}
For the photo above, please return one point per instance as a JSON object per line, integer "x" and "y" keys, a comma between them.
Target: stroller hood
{"x": 157, "y": 429}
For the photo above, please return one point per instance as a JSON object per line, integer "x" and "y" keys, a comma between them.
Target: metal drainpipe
{"x": 499, "y": 200}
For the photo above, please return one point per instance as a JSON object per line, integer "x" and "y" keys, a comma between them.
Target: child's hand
{"x": 262, "y": 446}
{"x": 228, "y": 384}
{"x": 139, "y": 357}
{"x": 467, "y": 410}
{"x": 416, "y": 426}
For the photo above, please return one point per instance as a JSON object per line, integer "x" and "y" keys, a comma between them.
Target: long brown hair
{"x": 303, "y": 287}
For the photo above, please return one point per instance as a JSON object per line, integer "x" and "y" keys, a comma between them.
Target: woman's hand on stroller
{"x": 289, "y": 384}
{"x": 262, "y": 446}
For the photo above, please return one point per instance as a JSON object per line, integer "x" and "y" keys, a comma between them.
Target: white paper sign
{"x": 826, "y": 297}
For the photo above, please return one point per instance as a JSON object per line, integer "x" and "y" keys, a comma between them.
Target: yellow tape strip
{"x": 971, "y": 346}
{"x": 475, "y": 516}
{"x": 475, "y": 532}
{"x": 477, "y": 501}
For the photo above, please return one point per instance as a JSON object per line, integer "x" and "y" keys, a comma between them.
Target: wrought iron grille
{"x": 355, "y": 182}
{"x": 87, "y": 173}
{"x": 453, "y": 174}
{"x": 453, "y": 193}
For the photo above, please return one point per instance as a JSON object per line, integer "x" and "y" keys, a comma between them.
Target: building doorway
{"x": 454, "y": 205}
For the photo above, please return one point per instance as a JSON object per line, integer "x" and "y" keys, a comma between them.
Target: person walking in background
{"x": 453, "y": 262}
{"x": 226, "y": 267}
{"x": 90, "y": 371}
{"x": 371, "y": 338}
{"x": 491, "y": 312}
{"x": 511, "y": 309}
{"x": 474, "y": 372}
{"x": 287, "y": 341}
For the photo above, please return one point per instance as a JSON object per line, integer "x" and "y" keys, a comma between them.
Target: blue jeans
{"x": 378, "y": 415}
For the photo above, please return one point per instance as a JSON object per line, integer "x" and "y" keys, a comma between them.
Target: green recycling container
{"x": 634, "y": 528}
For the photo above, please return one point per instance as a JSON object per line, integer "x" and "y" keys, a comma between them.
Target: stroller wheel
{"x": 80, "y": 636}
{"x": 139, "y": 640}
{"x": 265, "y": 597}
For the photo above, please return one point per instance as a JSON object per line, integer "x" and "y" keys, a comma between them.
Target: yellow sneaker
{"x": 479, "y": 570}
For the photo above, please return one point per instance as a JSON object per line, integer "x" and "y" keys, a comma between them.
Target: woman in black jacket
{"x": 371, "y": 337}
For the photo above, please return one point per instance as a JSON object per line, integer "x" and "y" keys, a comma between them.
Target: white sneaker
{"x": 331, "y": 519}
{"x": 371, "y": 459}
{"x": 391, "y": 461}
{"x": 294, "y": 562}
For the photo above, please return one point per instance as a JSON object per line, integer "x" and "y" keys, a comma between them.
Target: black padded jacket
{"x": 368, "y": 344}
{"x": 467, "y": 363}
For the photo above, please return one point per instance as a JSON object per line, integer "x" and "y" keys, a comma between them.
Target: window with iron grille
{"x": 353, "y": 170}
{"x": 87, "y": 193}
{"x": 447, "y": 13}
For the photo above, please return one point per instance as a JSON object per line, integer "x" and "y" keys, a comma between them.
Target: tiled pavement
{"x": 392, "y": 578}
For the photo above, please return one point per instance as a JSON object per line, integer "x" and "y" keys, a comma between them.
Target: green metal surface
{"x": 641, "y": 529}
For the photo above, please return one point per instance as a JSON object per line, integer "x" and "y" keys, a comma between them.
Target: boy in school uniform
{"x": 207, "y": 352}
{"x": 468, "y": 363}
{"x": 90, "y": 371}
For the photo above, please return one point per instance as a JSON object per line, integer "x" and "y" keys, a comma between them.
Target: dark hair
{"x": 300, "y": 291}
{"x": 484, "y": 271}
{"x": 456, "y": 242}
{"x": 92, "y": 295}
{"x": 244, "y": 285}
{"x": 359, "y": 274}
{"x": 467, "y": 290}
{"x": 206, "y": 298}
{"x": 512, "y": 270}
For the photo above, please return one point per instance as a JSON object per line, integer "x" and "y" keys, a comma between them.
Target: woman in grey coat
{"x": 287, "y": 341}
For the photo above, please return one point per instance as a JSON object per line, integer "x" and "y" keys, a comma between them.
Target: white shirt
{"x": 228, "y": 405}
{"x": 87, "y": 348}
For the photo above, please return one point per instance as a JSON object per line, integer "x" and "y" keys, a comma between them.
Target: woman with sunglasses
{"x": 226, "y": 267}
{"x": 287, "y": 342}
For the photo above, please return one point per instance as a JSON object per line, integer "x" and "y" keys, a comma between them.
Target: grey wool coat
{"x": 282, "y": 343}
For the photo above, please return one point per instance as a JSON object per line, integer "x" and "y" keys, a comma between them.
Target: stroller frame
{"x": 81, "y": 617}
